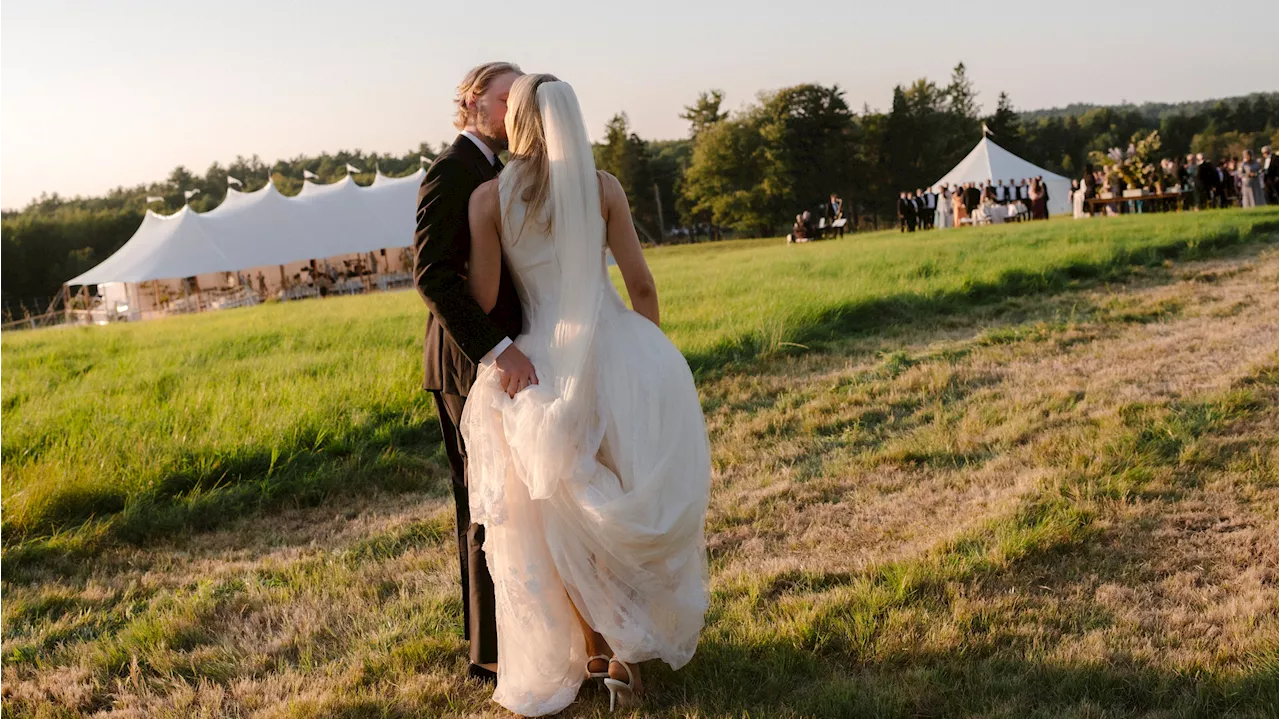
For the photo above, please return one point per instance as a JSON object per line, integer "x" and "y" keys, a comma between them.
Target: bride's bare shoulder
{"x": 607, "y": 180}
{"x": 610, "y": 189}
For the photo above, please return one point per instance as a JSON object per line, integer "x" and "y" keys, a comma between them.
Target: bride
{"x": 592, "y": 482}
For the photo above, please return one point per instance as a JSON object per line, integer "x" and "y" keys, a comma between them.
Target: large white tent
{"x": 265, "y": 228}
{"x": 989, "y": 161}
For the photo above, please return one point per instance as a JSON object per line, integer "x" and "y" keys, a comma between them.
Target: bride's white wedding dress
{"x": 592, "y": 485}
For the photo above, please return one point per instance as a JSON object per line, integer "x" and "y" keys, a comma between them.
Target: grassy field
{"x": 1016, "y": 471}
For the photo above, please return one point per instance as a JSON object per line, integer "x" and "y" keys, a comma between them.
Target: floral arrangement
{"x": 1138, "y": 165}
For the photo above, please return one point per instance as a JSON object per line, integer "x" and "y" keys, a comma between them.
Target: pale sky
{"x": 103, "y": 93}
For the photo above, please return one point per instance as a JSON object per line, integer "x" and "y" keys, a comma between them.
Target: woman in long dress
{"x": 944, "y": 216}
{"x": 958, "y": 210}
{"x": 1039, "y": 202}
{"x": 1250, "y": 174}
{"x": 592, "y": 483}
{"x": 1077, "y": 200}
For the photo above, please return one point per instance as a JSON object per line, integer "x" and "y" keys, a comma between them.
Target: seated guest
{"x": 799, "y": 231}
{"x": 990, "y": 210}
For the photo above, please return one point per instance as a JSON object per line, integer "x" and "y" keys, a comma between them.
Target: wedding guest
{"x": 929, "y": 207}
{"x": 1037, "y": 202}
{"x": 1182, "y": 175}
{"x": 1208, "y": 179}
{"x": 906, "y": 211}
{"x": 1249, "y": 173}
{"x": 972, "y": 198}
{"x": 1227, "y": 183}
{"x": 945, "y": 217}
{"x": 1089, "y": 183}
{"x": 799, "y": 230}
{"x": 1270, "y": 176}
{"x": 835, "y": 211}
{"x": 959, "y": 206}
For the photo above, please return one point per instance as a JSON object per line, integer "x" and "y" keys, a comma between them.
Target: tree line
{"x": 748, "y": 171}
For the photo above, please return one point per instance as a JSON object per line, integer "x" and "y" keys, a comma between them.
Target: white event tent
{"x": 263, "y": 228}
{"x": 989, "y": 161}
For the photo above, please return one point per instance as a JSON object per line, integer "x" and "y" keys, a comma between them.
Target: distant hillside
{"x": 1154, "y": 111}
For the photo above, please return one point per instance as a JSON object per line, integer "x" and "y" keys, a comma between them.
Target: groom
{"x": 459, "y": 334}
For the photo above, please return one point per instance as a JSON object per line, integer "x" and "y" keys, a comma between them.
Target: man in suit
{"x": 906, "y": 211}
{"x": 1207, "y": 176}
{"x": 459, "y": 334}
{"x": 972, "y": 198}
{"x": 930, "y": 205}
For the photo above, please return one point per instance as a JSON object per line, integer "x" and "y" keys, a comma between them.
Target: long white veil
{"x": 557, "y": 431}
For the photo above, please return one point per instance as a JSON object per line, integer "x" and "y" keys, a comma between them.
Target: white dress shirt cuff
{"x": 498, "y": 349}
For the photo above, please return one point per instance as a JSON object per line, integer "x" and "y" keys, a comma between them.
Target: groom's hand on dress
{"x": 515, "y": 371}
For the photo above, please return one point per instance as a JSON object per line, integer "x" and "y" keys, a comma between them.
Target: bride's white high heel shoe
{"x": 597, "y": 675}
{"x": 628, "y": 689}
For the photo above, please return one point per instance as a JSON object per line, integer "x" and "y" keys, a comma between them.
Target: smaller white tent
{"x": 989, "y": 161}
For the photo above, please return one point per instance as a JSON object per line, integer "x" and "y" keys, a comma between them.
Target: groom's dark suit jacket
{"x": 459, "y": 333}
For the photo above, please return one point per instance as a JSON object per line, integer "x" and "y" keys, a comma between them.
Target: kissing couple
{"x": 575, "y": 437}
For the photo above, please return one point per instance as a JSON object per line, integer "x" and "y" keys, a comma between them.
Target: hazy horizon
{"x": 95, "y": 97}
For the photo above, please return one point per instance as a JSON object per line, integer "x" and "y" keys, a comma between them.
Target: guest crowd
{"x": 1186, "y": 183}
{"x": 973, "y": 203}
{"x": 1199, "y": 183}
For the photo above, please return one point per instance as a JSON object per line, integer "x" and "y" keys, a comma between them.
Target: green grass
{"x": 1038, "y": 481}
{"x": 134, "y": 431}
{"x": 763, "y": 297}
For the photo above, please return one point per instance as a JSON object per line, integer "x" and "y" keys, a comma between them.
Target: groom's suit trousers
{"x": 479, "y": 624}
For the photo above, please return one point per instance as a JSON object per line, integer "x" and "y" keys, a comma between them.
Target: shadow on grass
{"x": 864, "y": 317}
{"x": 207, "y": 490}
{"x": 781, "y": 680}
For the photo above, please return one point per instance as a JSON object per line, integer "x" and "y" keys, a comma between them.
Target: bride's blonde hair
{"x": 528, "y": 146}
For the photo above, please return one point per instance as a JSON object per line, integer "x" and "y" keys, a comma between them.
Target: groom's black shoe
{"x": 475, "y": 671}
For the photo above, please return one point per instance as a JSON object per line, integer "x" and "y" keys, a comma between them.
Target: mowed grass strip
{"x": 132, "y": 432}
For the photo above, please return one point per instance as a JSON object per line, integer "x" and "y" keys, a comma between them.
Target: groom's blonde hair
{"x": 474, "y": 84}
{"x": 527, "y": 142}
